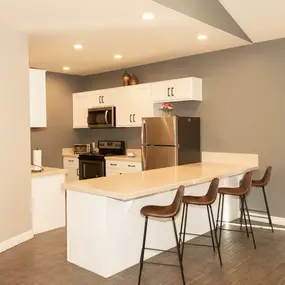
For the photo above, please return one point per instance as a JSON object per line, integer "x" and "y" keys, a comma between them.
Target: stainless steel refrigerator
{"x": 170, "y": 141}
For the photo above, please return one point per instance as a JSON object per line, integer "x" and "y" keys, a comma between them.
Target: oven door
{"x": 89, "y": 169}
{"x": 101, "y": 117}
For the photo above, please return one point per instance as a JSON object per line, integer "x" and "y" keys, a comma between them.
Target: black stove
{"x": 92, "y": 165}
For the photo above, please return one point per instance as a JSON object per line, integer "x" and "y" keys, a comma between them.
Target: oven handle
{"x": 106, "y": 117}
{"x": 84, "y": 170}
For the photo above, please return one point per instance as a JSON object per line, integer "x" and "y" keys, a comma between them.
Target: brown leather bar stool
{"x": 261, "y": 184}
{"x": 207, "y": 201}
{"x": 163, "y": 212}
{"x": 240, "y": 192}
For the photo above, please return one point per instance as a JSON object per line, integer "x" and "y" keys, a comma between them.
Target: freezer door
{"x": 154, "y": 157}
{"x": 159, "y": 131}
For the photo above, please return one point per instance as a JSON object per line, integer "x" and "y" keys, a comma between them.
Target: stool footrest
{"x": 195, "y": 244}
{"x": 258, "y": 211}
{"x": 232, "y": 230}
{"x": 196, "y": 235}
{"x": 157, "y": 263}
{"x": 161, "y": 250}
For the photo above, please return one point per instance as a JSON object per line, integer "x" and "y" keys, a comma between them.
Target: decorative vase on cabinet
{"x": 166, "y": 109}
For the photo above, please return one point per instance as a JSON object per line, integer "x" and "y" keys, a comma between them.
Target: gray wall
{"x": 242, "y": 110}
{"x": 59, "y": 132}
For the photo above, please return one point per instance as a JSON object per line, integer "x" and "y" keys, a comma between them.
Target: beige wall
{"x": 15, "y": 188}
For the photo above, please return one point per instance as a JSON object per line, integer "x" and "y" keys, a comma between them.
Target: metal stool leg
{"x": 143, "y": 249}
{"x": 178, "y": 251}
{"x": 184, "y": 231}
{"x": 241, "y": 214}
{"x": 211, "y": 230}
{"x": 181, "y": 227}
{"x": 267, "y": 209}
{"x": 249, "y": 221}
{"x": 215, "y": 235}
{"x": 221, "y": 220}
{"x": 244, "y": 216}
{"x": 218, "y": 214}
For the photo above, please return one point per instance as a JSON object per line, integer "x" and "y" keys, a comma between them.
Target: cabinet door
{"x": 104, "y": 97}
{"x": 134, "y": 103}
{"x": 81, "y": 103}
{"x": 72, "y": 165}
{"x": 184, "y": 89}
{"x": 37, "y": 81}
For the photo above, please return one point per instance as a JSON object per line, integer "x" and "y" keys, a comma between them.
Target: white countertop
{"x": 49, "y": 171}
{"x": 140, "y": 184}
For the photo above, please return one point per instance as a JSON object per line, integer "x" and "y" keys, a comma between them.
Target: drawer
{"x": 69, "y": 162}
{"x": 131, "y": 166}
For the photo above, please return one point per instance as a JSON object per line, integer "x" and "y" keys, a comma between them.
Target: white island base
{"x": 104, "y": 235}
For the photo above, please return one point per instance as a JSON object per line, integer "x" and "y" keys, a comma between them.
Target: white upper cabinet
{"x": 184, "y": 89}
{"x": 81, "y": 103}
{"x": 135, "y": 102}
{"x": 87, "y": 100}
{"x": 38, "y": 110}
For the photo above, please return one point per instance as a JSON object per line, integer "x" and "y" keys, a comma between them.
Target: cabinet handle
{"x": 172, "y": 93}
{"x": 70, "y": 160}
{"x": 131, "y": 165}
{"x": 102, "y": 99}
{"x": 77, "y": 171}
{"x": 168, "y": 90}
{"x": 113, "y": 164}
{"x": 134, "y": 118}
{"x": 131, "y": 118}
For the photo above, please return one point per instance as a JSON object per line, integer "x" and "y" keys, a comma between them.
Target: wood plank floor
{"x": 42, "y": 261}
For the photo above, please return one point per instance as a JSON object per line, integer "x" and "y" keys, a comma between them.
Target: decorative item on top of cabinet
{"x": 133, "y": 80}
{"x": 166, "y": 109}
{"x": 126, "y": 79}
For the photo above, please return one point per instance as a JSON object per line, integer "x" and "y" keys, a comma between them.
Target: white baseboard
{"x": 7, "y": 244}
{"x": 263, "y": 218}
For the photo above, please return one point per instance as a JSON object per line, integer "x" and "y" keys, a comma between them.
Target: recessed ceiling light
{"x": 148, "y": 16}
{"x": 117, "y": 56}
{"x": 202, "y": 37}
{"x": 78, "y": 46}
{"x": 66, "y": 68}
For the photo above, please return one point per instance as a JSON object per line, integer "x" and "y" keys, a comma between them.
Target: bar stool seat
{"x": 232, "y": 191}
{"x": 258, "y": 183}
{"x": 158, "y": 211}
{"x": 198, "y": 200}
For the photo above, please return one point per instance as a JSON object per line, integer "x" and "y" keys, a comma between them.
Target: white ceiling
{"x": 106, "y": 28}
{"x": 261, "y": 20}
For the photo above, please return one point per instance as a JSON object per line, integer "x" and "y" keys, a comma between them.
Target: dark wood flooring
{"x": 42, "y": 261}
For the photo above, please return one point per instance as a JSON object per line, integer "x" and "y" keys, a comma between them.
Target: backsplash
{"x": 132, "y": 136}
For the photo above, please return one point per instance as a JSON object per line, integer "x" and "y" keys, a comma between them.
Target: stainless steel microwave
{"x": 102, "y": 117}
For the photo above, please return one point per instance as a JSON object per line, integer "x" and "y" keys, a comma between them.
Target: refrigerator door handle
{"x": 143, "y": 159}
{"x": 143, "y": 132}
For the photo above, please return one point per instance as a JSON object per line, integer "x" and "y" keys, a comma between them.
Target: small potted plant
{"x": 166, "y": 109}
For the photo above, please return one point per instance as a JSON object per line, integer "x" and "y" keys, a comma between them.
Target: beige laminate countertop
{"x": 49, "y": 171}
{"x": 140, "y": 184}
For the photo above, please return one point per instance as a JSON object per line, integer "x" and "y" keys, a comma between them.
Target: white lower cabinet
{"x": 72, "y": 165}
{"x": 114, "y": 167}
{"x": 134, "y": 104}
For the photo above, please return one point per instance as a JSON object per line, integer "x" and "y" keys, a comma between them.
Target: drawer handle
{"x": 113, "y": 164}
{"x": 131, "y": 165}
{"x": 70, "y": 160}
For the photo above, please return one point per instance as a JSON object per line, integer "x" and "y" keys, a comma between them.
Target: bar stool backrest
{"x": 176, "y": 205}
{"x": 266, "y": 178}
{"x": 246, "y": 182}
{"x": 213, "y": 191}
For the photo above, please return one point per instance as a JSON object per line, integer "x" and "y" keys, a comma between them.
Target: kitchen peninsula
{"x": 104, "y": 225}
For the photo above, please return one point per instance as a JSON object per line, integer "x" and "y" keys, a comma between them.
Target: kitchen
{"x": 240, "y": 112}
